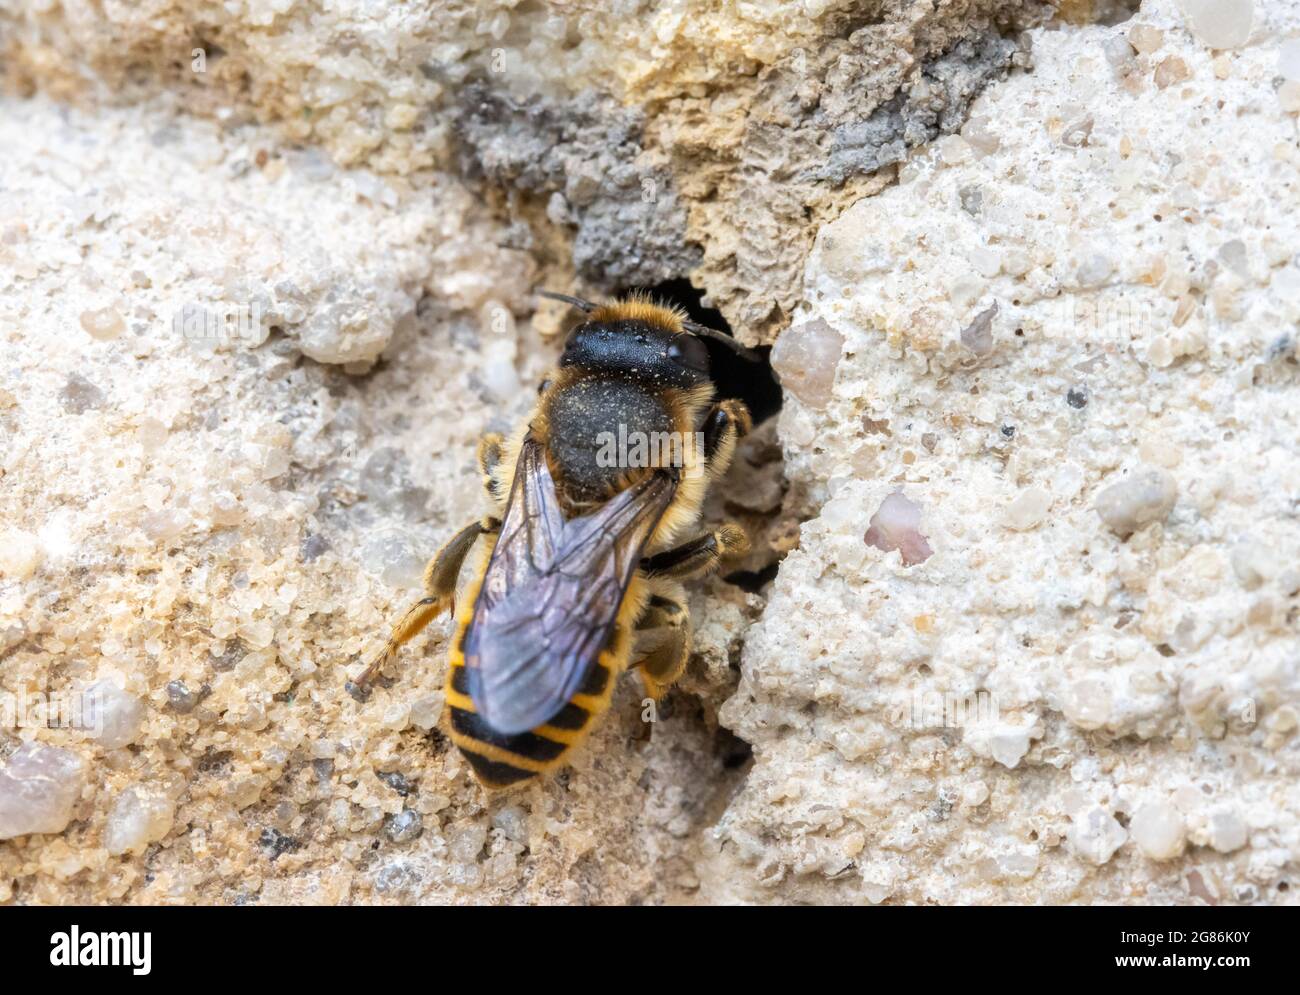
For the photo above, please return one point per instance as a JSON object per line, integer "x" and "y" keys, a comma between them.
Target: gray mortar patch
{"x": 586, "y": 152}
{"x": 935, "y": 105}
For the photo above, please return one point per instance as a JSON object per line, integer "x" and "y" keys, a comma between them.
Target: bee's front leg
{"x": 698, "y": 556}
{"x": 725, "y": 424}
{"x": 440, "y": 578}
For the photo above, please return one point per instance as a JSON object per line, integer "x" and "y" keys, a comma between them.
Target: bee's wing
{"x": 551, "y": 594}
{"x": 530, "y": 529}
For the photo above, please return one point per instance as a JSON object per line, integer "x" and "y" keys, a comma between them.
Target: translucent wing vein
{"x": 551, "y": 594}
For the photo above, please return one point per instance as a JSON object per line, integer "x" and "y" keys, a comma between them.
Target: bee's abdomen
{"x": 500, "y": 760}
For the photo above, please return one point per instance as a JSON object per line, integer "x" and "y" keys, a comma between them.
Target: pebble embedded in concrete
{"x": 39, "y": 785}
{"x": 20, "y": 554}
{"x": 103, "y": 324}
{"x": 138, "y": 817}
{"x": 1088, "y": 702}
{"x": 1028, "y": 509}
{"x": 115, "y": 714}
{"x": 1146, "y": 495}
{"x": 180, "y": 698}
{"x": 1227, "y": 831}
{"x": 978, "y": 335}
{"x": 1095, "y": 834}
{"x": 1288, "y": 60}
{"x": 805, "y": 359}
{"x": 1008, "y": 745}
{"x": 1219, "y": 24}
{"x": 404, "y": 826}
{"x": 1157, "y": 828}
{"x": 896, "y": 526}
{"x": 427, "y": 710}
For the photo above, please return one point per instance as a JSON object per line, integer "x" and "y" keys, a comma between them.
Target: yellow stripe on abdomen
{"x": 500, "y": 760}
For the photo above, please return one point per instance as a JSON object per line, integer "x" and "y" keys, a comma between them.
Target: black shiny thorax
{"x": 621, "y": 380}
{"x": 593, "y": 416}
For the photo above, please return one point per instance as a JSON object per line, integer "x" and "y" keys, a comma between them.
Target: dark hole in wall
{"x": 753, "y": 581}
{"x": 735, "y": 376}
{"x": 732, "y": 751}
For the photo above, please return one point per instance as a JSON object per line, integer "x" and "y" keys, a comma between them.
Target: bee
{"x": 577, "y": 573}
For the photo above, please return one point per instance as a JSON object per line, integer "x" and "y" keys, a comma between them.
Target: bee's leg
{"x": 440, "y": 590}
{"x": 698, "y": 556}
{"x": 489, "y": 458}
{"x": 663, "y": 640}
{"x": 724, "y": 425}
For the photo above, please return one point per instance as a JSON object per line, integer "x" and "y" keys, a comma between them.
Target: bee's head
{"x": 638, "y": 347}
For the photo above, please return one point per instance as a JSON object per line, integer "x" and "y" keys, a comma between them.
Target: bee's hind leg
{"x": 663, "y": 641}
{"x": 490, "y": 450}
{"x": 440, "y": 591}
{"x": 663, "y": 635}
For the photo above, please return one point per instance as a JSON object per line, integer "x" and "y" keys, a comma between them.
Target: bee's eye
{"x": 689, "y": 351}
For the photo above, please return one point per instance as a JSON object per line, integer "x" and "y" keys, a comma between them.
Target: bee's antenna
{"x": 695, "y": 328}
{"x": 584, "y": 306}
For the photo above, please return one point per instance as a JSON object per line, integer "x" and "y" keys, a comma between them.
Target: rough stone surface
{"x": 716, "y": 133}
{"x": 820, "y": 126}
{"x": 1149, "y": 295}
